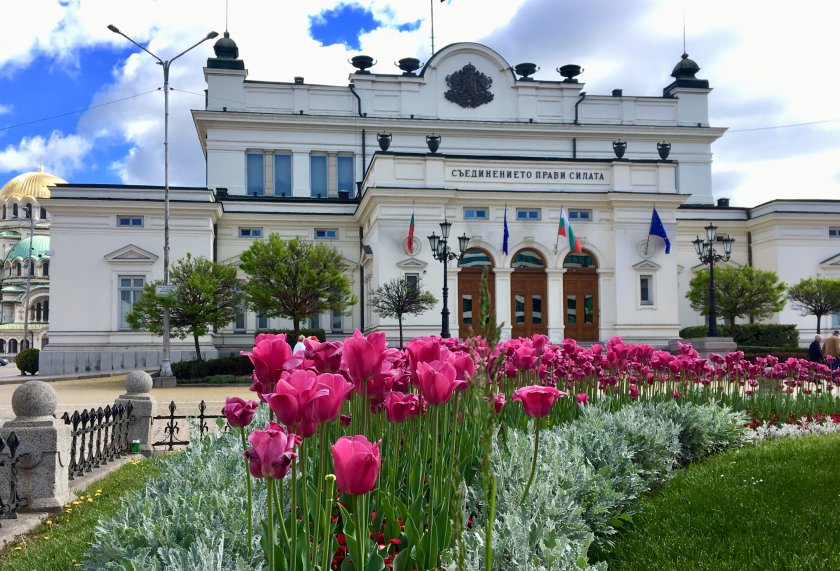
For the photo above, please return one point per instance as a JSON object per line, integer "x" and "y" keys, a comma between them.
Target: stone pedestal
{"x": 160, "y": 382}
{"x": 137, "y": 387}
{"x": 44, "y": 448}
{"x": 706, "y": 345}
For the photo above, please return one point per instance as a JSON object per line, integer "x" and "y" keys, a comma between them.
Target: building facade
{"x": 467, "y": 139}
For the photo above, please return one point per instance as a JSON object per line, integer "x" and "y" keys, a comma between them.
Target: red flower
{"x": 238, "y": 412}
{"x": 537, "y": 400}
{"x": 271, "y": 452}
{"x": 582, "y": 398}
{"x": 328, "y": 407}
{"x": 356, "y": 461}
{"x": 400, "y": 406}
{"x": 271, "y": 356}
{"x": 294, "y": 400}
{"x": 438, "y": 381}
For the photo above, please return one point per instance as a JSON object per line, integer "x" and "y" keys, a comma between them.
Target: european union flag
{"x": 506, "y": 235}
{"x": 657, "y": 229}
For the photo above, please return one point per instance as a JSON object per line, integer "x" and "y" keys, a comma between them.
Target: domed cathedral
{"x": 25, "y": 244}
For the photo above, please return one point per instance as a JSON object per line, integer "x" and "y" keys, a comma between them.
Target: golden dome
{"x": 30, "y": 185}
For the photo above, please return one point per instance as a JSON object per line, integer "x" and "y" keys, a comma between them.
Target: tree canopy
{"x": 206, "y": 297}
{"x": 739, "y": 292}
{"x": 295, "y": 279}
{"x": 816, "y": 296}
{"x": 398, "y": 297}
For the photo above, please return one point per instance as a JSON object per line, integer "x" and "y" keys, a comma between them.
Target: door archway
{"x": 473, "y": 262}
{"x": 580, "y": 296}
{"x": 528, "y": 299}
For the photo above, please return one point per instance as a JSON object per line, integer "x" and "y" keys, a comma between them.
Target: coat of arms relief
{"x": 468, "y": 87}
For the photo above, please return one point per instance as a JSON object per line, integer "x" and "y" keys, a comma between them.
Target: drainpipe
{"x": 579, "y": 101}
{"x": 364, "y": 134}
{"x": 574, "y": 147}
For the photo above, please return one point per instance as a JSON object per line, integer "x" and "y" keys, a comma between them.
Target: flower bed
{"x": 378, "y": 458}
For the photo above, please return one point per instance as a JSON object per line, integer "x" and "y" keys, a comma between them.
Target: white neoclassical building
{"x": 350, "y": 164}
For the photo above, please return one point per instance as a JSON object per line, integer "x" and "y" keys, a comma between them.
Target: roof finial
{"x": 227, "y": 11}
{"x": 685, "y": 52}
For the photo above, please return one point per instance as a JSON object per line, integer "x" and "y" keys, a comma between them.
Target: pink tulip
{"x": 400, "y": 406}
{"x": 438, "y": 381}
{"x": 524, "y": 358}
{"x": 634, "y": 392}
{"x": 271, "y": 452}
{"x": 362, "y": 356}
{"x": 498, "y": 402}
{"x": 323, "y": 357}
{"x": 328, "y": 407}
{"x": 294, "y": 401}
{"x": 271, "y": 356}
{"x": 356, "y": 462}
{"x": 582, "y": 398}
{"x": 537, "y": 399}
{"x": 238, "y": 412}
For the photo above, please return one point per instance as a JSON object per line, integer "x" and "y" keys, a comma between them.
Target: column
{"x": 503, "y": 313}
{"x": 556, "y": 305}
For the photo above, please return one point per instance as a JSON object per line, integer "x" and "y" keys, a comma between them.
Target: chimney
{"x": 617, "y": 92}
{"x": 298, "y": 80}
{"x": 723, "y": 203}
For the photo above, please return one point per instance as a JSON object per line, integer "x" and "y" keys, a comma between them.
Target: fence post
{"x": 137, "y": 387}
{"x": 44, "y": 448}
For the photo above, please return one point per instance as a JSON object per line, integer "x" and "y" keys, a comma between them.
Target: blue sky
{"x": 771, "y": 87}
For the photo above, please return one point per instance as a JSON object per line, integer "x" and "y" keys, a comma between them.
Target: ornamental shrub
{"x": 27, "y": 361}
{"x": 751, "y": 334}
{"x": 237, "y": 365}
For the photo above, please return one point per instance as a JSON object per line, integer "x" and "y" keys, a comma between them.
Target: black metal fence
{"x": 172, "y": 430}
{"x": 98, "y": 436}
{"x": 9, "y": 460}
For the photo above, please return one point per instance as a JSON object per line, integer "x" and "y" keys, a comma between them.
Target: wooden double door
{"x": 528, "y": 302}
{"x": 469, "y": 297}
{"x": 580, "y": 304}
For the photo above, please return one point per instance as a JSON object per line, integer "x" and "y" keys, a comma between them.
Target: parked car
{"x": 3, "y": 362}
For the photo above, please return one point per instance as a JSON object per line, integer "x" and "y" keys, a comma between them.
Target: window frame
{"x": 650, "y": 300}
{"x": 141, "y": 222}
{"x": 574, "y": 214}
{"x": 476, "y": 209}
{"x": 259, "y": 158}
{"x": 325, "y": 175}
{"x": 528, "y": 212}
{"x": 133, "y": 288}
{"x": 326, "y": 233}
{"x": 345, "y": 159}
{"x": 250, "y": 232}
{"x": 834, "y": 231}
{"x": 277, "y": 188}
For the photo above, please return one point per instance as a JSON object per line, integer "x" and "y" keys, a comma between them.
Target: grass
{"x": 61, "y": 540}
{"x": 218, "y": 380}
{"x": 772, "y": 506}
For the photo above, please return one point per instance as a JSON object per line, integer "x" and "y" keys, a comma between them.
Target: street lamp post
{"x": 166, "y": 363}
{"x": 442, "y": 253}
{"x": 29, "y": 269}
{"x": 709, "y": 255}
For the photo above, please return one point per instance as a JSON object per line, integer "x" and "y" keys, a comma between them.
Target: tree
{"x": 295, "y": 279}
{"x": 816, "y": 296}
{"x": 398, "y": 297}
{"x": 206, "y": 296}
{"x": 739, "y": 292}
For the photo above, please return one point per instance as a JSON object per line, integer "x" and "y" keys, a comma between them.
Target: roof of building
{"x": 40, "y": 247}
{"x": 30, "y": 185}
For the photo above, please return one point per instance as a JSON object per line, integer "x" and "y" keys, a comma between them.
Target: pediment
{"x": 412, "y": 264}
{"x": 646, "y": 266}
{"x": 132, "y": 254}
{"x": 832, "y": 263}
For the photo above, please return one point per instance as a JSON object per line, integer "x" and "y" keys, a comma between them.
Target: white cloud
{"x": 4, "y": 109}
{"x": 59, "y": 154}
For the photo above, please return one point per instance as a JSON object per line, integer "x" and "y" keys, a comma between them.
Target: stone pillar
{"x": 503, "y": 313}
{"x": 556, "y": 305}
{"x": 44, "y": 447}
{"x": 137, "y": 387}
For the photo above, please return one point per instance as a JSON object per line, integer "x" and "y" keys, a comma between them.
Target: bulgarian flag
{"x": 565, "y": 229}
{"x": 411, "y": 232}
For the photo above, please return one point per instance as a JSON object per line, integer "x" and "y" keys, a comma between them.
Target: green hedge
{"x": 238, "y": 365}
{"x": 750, "y": 353}
{"x": 27, "y": 361}
{"x": 751, "y": 334}
{"x": 290, "y": 334}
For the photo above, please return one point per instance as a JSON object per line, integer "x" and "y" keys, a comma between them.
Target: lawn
{"x": 772, "y": 506}
{"x": 63, "y": 538}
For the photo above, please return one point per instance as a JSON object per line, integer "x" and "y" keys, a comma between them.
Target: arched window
{"x": 27, "y": 211}
{"x": 14, "y": 210}
{"x": 31, "y": 267}
{"x": 2, "y": 345}
{"x": 45, "y": 269}
{"x": 528, "y": 259}
{"x": 13, "y": 346}
{"x": 475, "y": 258}
{"x": 37, "y": 312}
{"x": 43, "y": 213}
{"x": 17, "y": 269}
{"x": 4, "y": 214}
{"x": 46, "y": 310}
{"x": 582, "y": 260}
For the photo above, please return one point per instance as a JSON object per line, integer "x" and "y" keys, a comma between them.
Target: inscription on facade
{"x": 549, "y": 175}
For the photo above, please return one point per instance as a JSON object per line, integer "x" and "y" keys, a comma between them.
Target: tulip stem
{"x": 327, "y": 541}
{"x": 293, "y": 517}
{"x": 248, "y": 488}
{"x": 362, "y": 532}
{"x": 488, "y": 534}
{"x": 533, "y": 461}
{"x": 270, "y": 554}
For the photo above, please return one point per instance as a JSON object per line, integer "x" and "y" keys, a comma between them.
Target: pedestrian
{"x": 832, "y": 347}
{"x": 814, "y": 350}
{"x": 299, "y": 346}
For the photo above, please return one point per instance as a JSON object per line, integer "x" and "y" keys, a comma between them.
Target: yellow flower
{"x": 18, "y": 548}
{"x": 69, "y": 510}
{"x": 98, "y": 491}
{"x": 46, "y": 537}
{"x": 49, "y": 522}
{"x": 90, "y": 500}
{"x": 76, "y": 502}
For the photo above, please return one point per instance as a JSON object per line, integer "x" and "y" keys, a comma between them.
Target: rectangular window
{"x": 835, "y": 320}
{"x": 580, "y": 215}
{"x": 282, "y": 174}
{"x": 239, "y": 319}
{"x": 254, "y": 172}
{"x": 326, "y": 233}
{"x": 262, "y": 321}
{"x": 43, "y": 213}
{"x": 346, "y": 180}
{"x": 337, "y": 321}
{"x": 318, "y": 176}
{"x": 413, "y": 280}
{"x": 250, "y": 232}
{"x": 527, "y": 213}
{"x": 834, "y": 232}
{"x": 475, "y": 214}
{"x": 130, "y": 288}
{"x": 646, "y": 290}
{"x": 129, "y": 221}
{"x": 315, "y": 321}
